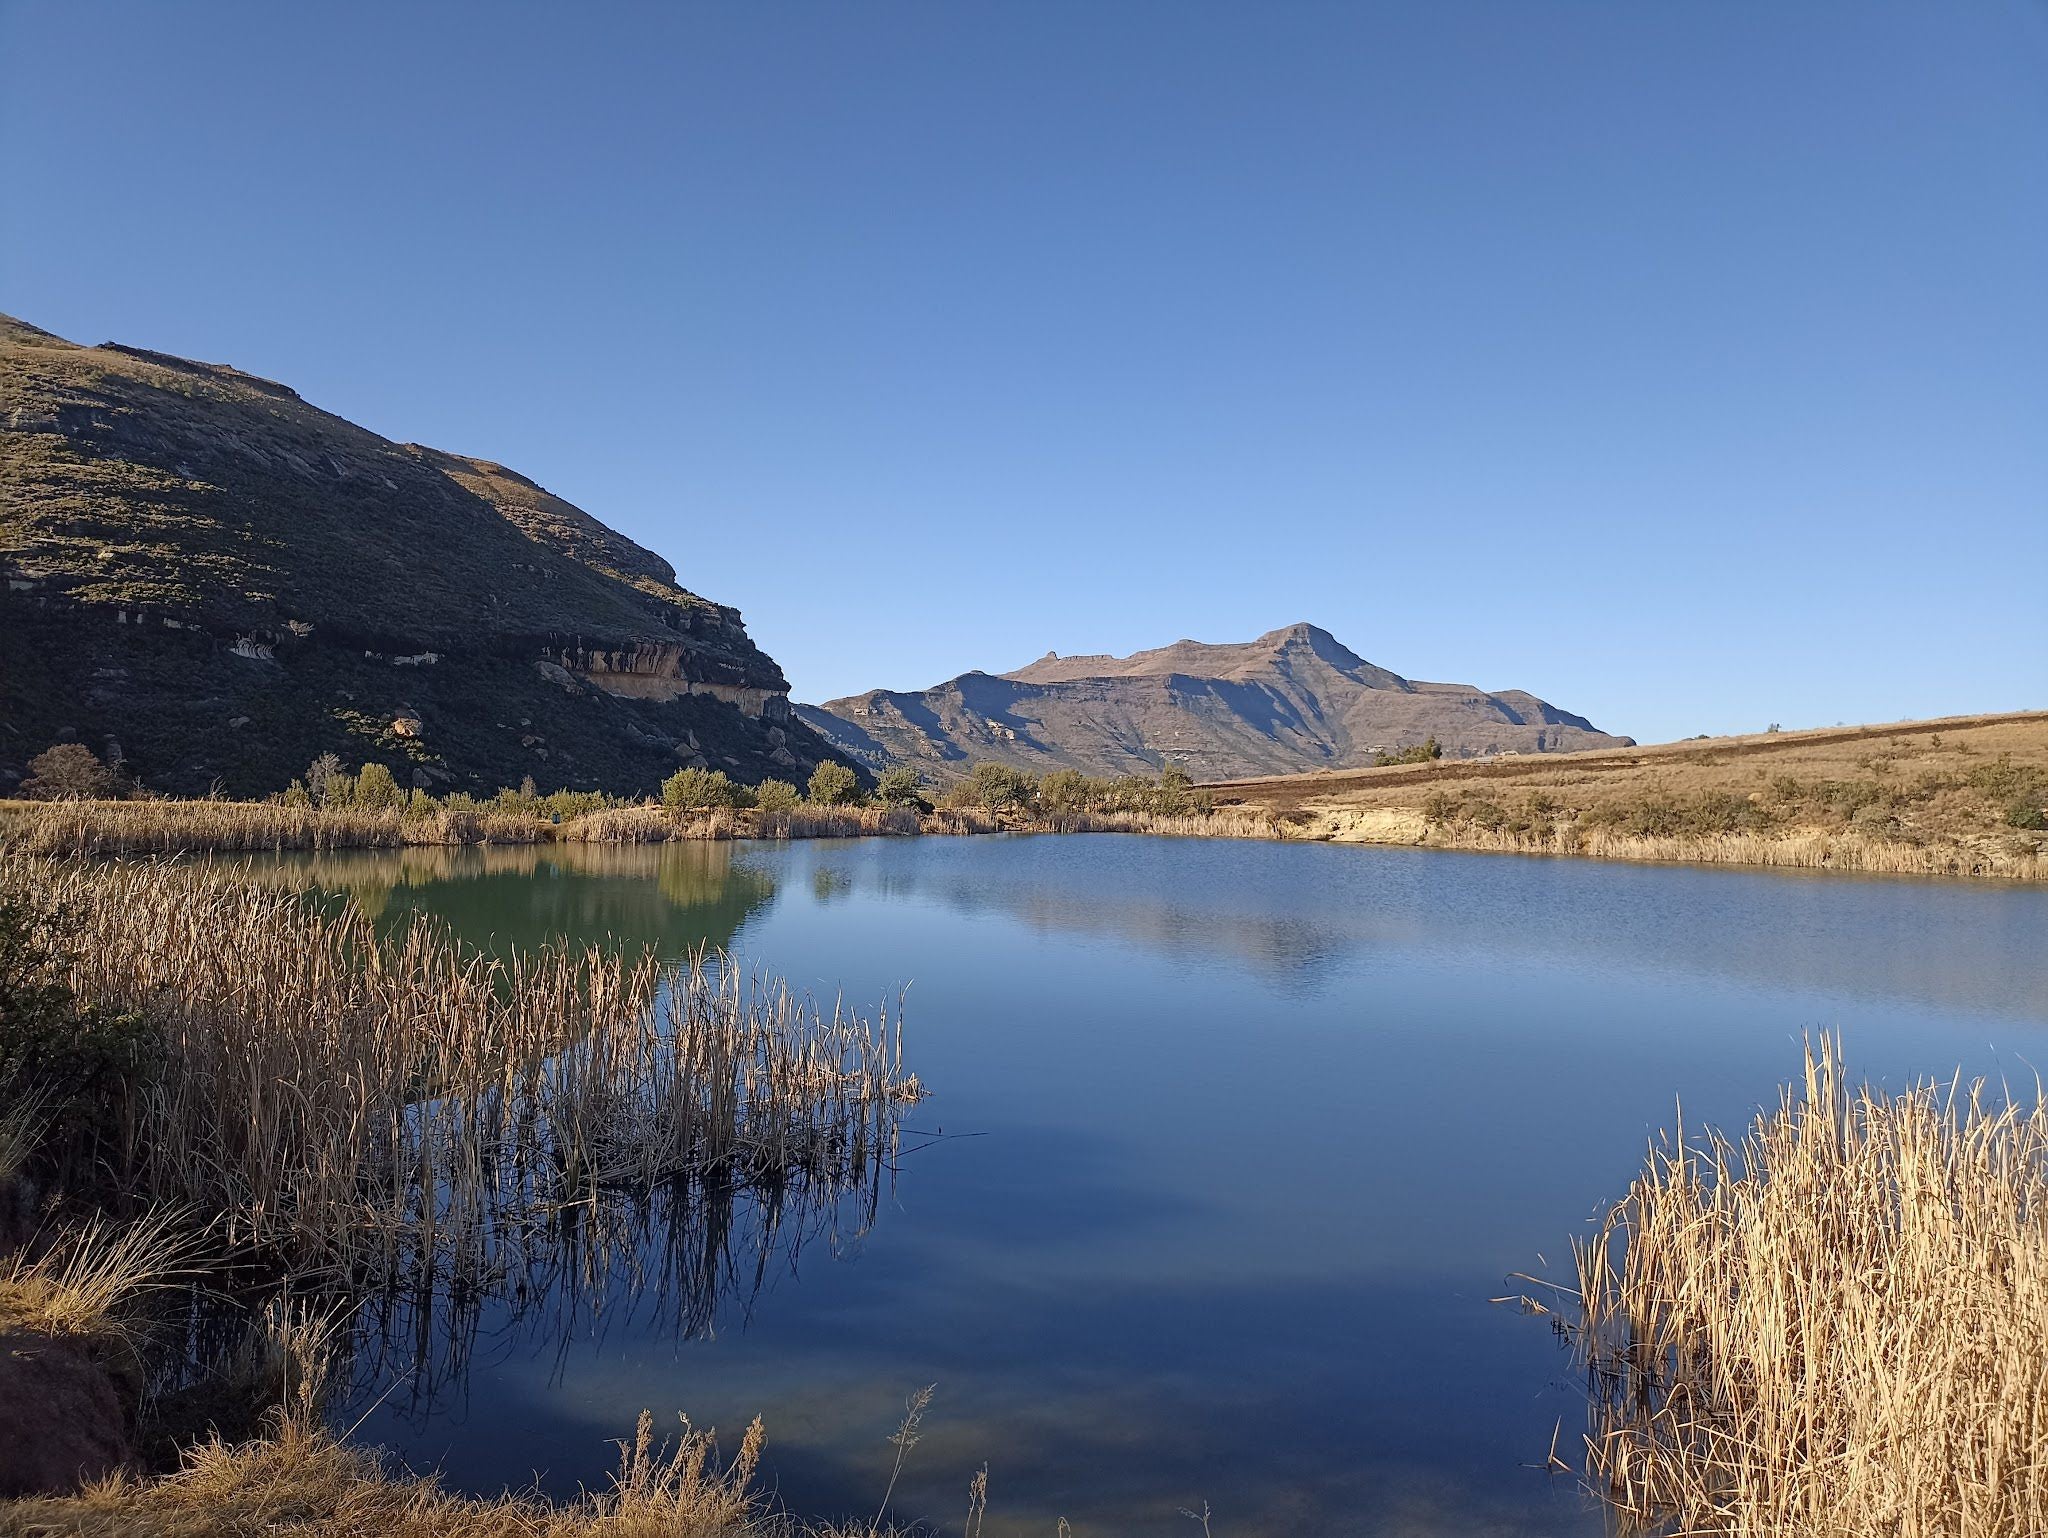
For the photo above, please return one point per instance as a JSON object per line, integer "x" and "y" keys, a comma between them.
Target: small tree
{"x": 70, "y": 771}
{"x": 376, "y": 789}
{"x": 322, "y": 775}
{"x": 898, "y": 787}
{"x": 999, "y": 787}
{"x": 696, "y": 790}
{"x": 1063, "y": 791}
{"x": 833, "y": 784}
{"x": 1176, "y": 786}
{"x": 775, "y": 796}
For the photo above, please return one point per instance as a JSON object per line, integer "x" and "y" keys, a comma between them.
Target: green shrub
{"x": 833, "y": 784}
{"x": 1439, "y": 807}
{"x": 998, "y": 788}
{"x": 1064, "y": 791}
{"x": 1176, "y": 789}
{"x": 698, "y": 790}
{"x": 899, "y": 787}
{"x": 1427, "y": 752}
{"x": 376, "y": 789}
{"x": 775, "y": 796}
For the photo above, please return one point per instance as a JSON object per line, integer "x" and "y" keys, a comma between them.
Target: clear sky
{"x": 1686, "y": 364}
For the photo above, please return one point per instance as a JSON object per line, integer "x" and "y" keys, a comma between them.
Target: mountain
{"x": 1293, "y": 700}
{"x": 216, "y": 581}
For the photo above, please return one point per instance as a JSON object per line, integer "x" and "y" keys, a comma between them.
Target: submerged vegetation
{"x": 1837, "y": 1327}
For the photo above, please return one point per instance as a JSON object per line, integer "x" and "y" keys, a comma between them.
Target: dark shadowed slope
{"x": 221, "y": 581}
{"x": 1292, "y": 700}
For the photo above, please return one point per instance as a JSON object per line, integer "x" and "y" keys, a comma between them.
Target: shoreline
{"x": 81, "y": 828}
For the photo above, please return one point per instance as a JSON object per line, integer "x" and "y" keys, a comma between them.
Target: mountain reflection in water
{"x": 1238, "y": 1142}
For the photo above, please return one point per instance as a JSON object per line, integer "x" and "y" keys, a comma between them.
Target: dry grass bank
{"x": 180, "y": 827}
{"x": 1967, "y": 796}
{"x": 56, "y": 828}
{"x": 1838, "y": 1328}
{"x": 306, "y": 1482}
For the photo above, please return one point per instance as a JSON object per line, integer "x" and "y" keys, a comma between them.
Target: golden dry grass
{"x": 370, "y": 1102}
{"x": 186, "y": 827}
{"x": 88, "y": 1282}
{"x": 1922, "y": 797}
{"x": 1837, "y": 1329}
{"x": 306, "y": 1482}
{"x": 175, "y": 827}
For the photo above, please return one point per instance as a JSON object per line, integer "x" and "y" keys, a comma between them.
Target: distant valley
{"x": 1295, "y": 699}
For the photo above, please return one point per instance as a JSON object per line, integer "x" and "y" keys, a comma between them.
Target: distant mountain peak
{"x": 1294, "y": 699}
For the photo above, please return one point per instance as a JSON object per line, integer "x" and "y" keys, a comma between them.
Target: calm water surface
{"x": 1228, "y": 1147}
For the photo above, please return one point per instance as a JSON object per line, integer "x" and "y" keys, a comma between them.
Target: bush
{"x": 376, "y": 789}
{"x": 1439, "y": 807}
{"x": 1428, "y": 752}
{"x": 699, "y": 790}
{"x": 71, "y": 771}
{"x": 775, "y": 796}
{"x": 998, "y": 788}
{"x": 899, "y": 787}
{"x": 1176, "y": 789}
{"x": 833, "y": 784}
{"x": 1063, "y": 791}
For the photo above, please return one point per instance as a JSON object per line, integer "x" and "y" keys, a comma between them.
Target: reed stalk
{"x": 1836, "y": 1329}
{"x": 382, "y": 1103}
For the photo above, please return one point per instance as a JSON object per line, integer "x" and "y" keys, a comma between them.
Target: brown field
{"x": 1965, "y": 795}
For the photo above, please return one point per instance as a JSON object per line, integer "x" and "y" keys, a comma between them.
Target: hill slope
{"x": 219, "y": 581}
{"x": 1966, "y": 795}
{"x": 1295, "y": 699}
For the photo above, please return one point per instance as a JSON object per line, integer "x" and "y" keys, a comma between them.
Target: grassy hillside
{"x": 1967, "y": 794}
{"x": 221, "y": 580}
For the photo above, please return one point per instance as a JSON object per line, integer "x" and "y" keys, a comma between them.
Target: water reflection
{"x": 674, "y": 1266}
{"x": 674, "y": 897}
{"x": 1298, "y": 911}
{"x": 1240, "y": 1141}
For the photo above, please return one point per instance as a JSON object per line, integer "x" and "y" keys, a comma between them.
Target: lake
{"x": 1227, "y": 1150}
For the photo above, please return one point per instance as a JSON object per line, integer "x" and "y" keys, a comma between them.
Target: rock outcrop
{"x": 187, "y": 547}
{"x": 1293, "y": 700}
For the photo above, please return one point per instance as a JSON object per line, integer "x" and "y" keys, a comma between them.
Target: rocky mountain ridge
{"x": 1293, "y": 700}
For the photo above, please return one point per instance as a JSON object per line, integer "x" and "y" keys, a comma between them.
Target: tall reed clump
{"x": 351, "y": 1098}
{"x": 1837, "y": 1328}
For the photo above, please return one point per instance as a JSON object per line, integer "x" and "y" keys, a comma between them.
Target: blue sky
{"x": 1685, "y": 364}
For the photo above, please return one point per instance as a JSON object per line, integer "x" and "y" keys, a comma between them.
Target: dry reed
{"x": 1838, "y": 1329}
{"x": 87, "y": 1282}
{"x": 346, "y": 1097}
{"x": 175, "y": 827}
